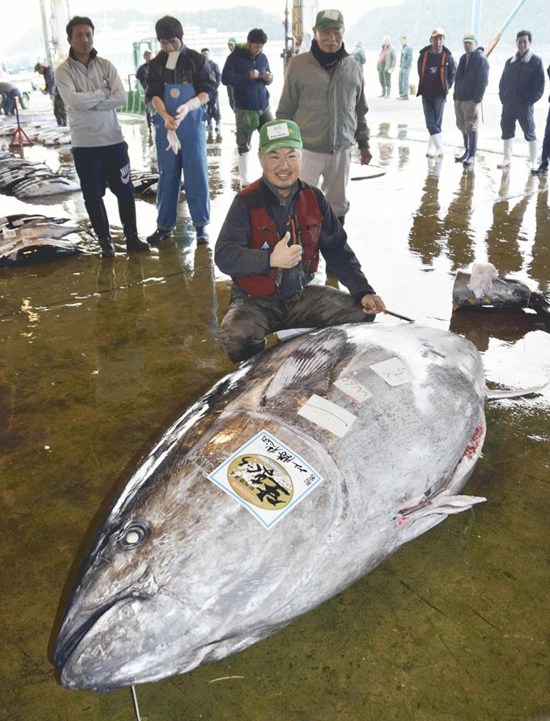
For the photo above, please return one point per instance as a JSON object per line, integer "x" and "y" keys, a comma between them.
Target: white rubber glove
{"x": 182, "y": 111}
{"x": 173, "y": 142}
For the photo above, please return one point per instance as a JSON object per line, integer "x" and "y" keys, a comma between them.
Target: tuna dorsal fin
{"x": 309, "y": 366}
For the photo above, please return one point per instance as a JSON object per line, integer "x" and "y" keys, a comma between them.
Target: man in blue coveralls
{"x": 179, "y": 86}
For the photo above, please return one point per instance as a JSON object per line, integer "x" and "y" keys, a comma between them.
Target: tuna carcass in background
{"x": 28, "y": 239}
{"x": 289, "y": 480}
{"x": 482, "y": 288}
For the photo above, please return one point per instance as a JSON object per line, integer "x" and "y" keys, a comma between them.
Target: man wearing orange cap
{"x": 436, "y": 72}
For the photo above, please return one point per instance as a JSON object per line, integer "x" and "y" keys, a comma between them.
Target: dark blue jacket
{"x": 522, "y": 80}
{"x": 471, "y": 77}
{"x": 249, "y": 94}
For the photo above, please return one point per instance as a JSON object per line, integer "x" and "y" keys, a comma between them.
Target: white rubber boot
{"x": 533, "y": 151}
{"x": 437, "y": 140}
{"x": 243, "y": 169}
{"x": 506, "y": 154}
{"x": 431, "y": 150}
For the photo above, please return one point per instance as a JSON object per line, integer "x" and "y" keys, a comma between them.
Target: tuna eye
{"x": 133, "y": 536}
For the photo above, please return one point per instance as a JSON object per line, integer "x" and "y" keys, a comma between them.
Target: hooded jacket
{"x": 472, "y": 76}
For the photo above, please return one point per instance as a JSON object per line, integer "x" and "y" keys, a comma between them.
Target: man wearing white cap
{"x": 323, "y": 93}
{"x": 436, "y": 72}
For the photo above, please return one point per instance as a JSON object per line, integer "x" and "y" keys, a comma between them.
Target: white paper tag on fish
{"x": 328, "y": 415}
{"x": 267, "y": 477}
{"x": 393, "y": 371}
{"x": 352, "y": 388}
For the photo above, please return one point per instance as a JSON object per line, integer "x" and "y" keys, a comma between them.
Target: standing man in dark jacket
{"x": 521, "y": 85}
{"x": 142, "y": 75}
{"x": 436, "y": 72}
{"x": 247, "y": 70}
{"x": 213, "y": 107}
{"x": 471, "y": 79}
{"x": 545, "y": 154}
{"x": 269, "y": 244}
{"x": 179, "y": 85}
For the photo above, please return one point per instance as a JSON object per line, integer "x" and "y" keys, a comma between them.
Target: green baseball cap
{"x": 327, "y": 19}
{"x": 279, "y": 134}
{"x": 469, "y": 38}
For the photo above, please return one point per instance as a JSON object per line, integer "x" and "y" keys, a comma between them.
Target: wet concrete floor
{"x": 98, "y": 356}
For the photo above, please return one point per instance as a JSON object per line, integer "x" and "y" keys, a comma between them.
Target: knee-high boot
{"x": 506, "y": 154}
{"x": 127, "y": 212}
{"x": 100, "y": 224}
{"x": 533, "y": 150}
{"x": 243, "y": 169}
{"x": 472, "y": 148}
{"x": 462, "y": 157}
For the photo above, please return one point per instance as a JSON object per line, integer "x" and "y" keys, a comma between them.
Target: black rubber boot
{"x": 462, "y": 158}
{"x": 107, "y": 248}
{"x": 542, "y": 169}
{"x": 137, "y": 244}
{"x": 127, "y": 212}
{"x": 472, "y": 149}
{"x": 98, "y": 218}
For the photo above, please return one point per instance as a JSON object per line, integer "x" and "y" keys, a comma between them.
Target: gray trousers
{"x": 248, "y": 320}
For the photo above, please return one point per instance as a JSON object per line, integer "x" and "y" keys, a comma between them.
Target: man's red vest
{"x": 304, "y": 229}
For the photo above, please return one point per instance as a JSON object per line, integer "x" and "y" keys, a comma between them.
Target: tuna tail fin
{"x": 495, "y": 395}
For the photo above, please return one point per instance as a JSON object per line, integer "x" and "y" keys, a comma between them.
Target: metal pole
{"x": 494, "y": 40}
{"x": 47, "y": 50}
{"x": 477, "y": 9}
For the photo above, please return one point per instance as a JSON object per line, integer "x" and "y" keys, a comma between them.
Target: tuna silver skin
{"x": 180, "y": 574}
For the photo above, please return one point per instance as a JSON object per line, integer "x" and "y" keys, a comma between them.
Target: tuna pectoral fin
{"x": 495, "y": 395}
{"x": 310, "y": 364}
{"x": 441, "y": 505}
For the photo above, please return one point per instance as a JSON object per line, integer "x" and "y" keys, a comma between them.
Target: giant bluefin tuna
{"x": 290, "y": 479}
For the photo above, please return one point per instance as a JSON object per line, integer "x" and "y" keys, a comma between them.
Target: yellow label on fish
{"x": 261, "y": 481}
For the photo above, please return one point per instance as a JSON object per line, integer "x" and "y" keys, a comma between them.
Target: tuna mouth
{"x": 67, "y": 644}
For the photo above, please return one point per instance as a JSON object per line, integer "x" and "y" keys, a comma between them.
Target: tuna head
{"x": 121, "y": 613}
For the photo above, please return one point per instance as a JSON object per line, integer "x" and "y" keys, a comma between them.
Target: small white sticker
{"x": 267, "y": 477}
{"x": 9, "y": 233}
{"x": 393, "y": 371}
{"x": 278, "y": 131}
{"x": 328, "y": 415}
{"x": 352, "y": 388}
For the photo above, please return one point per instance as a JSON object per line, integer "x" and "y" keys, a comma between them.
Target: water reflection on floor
{"x": 96, "y": 358}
